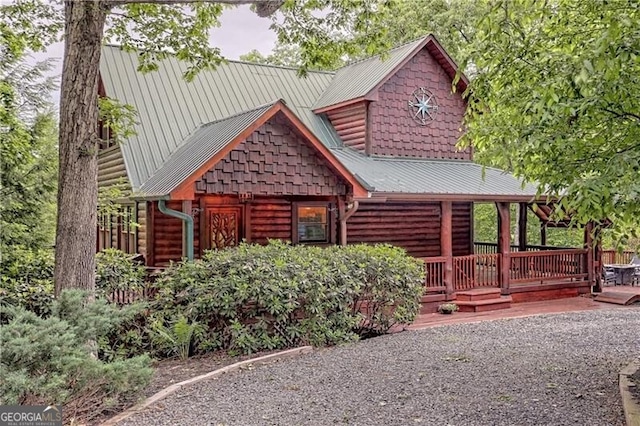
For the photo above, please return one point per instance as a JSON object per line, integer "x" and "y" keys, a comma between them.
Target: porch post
{"x": 543, "y": 234}
{"x": 446, "y": 245}
{"x": 522, "y": 226}
{"x": 592, "y": 244}
{"x": 504, "y": 245}
{"x": 597, "y": 260}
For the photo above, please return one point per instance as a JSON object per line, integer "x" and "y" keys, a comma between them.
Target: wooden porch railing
{"x": 616, "y": 257}
{"x": 434, "y": 268}
{"x": 482, "y": 270}
{"x": 490, "y": 248}
{"x": 552, "y": 265}
{"x": 476, "y": 270}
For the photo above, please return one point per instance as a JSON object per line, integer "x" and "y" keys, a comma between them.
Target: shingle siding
{"x": 394, "y": 132}
{"x": 274, "y": 160}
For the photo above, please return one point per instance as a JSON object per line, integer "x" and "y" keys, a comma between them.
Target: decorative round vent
{"x": 423, "y": 106}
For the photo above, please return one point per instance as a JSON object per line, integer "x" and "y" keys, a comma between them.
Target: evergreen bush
{"x": 50, "y": 361}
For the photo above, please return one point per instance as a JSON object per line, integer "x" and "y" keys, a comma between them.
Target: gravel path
{"x": 546, "y": 370}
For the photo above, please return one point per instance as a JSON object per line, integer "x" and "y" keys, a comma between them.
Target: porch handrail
{"x": 549, "y": 253}
{"x": 549, "y": 266}
{"x": 434, "y": 269}
{"x": 614, "y": 256}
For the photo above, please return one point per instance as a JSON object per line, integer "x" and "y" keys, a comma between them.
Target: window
{"x": 104, "y": 231}
{"x": 127, "y": 240}
{"x": 118, "y": 230}
{"x": 312, "y": 222}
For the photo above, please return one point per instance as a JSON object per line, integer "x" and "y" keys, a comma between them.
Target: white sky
{"x": 241, "y": 30}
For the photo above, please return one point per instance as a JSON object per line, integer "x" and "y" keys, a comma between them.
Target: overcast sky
{"x": 241, "y": 31}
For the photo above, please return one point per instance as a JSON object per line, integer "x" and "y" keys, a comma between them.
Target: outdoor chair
{"x": 636, "y": 273}
{"x": 608, "y": 276}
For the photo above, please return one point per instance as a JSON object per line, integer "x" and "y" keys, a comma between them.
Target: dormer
{"x": 400, "y": 106}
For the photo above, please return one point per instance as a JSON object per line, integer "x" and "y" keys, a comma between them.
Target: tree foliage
{"x": 282, "y": 55}
{"x": 555, "y": 101}
{"x": 452, "y": 21}
{"x": 28, "y": 153}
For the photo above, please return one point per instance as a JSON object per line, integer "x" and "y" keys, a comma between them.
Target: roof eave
{"x": 381, "y": 196}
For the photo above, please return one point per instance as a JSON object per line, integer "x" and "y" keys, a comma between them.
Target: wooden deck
{"x": 526, "y": 275}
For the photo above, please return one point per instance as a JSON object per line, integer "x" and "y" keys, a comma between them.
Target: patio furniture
{"x": 608, "y": 276}
{"x": 636, "y": 273}
{"x": 624, "y": 273}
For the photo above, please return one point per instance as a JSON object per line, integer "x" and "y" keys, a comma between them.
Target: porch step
{"x": 478, "y": 294}
{"x": 483, "y": 305}
{"x": 617, "y": 297}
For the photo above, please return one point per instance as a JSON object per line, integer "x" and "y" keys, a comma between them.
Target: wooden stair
{"x": 482, "y": 300}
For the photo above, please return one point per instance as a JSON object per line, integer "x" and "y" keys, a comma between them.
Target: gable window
{"x": 312, "y": 223}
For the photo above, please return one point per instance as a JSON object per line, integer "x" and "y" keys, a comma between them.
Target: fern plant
{"x": 176, "y": 339}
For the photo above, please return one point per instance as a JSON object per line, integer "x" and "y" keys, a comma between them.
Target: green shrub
{"x": 391, "y": 284}
{"x": 49, "y": 360}
{"x": 253, "y": 297}
{"x": 27, "y": 280}
{"x": 116, "y": 271}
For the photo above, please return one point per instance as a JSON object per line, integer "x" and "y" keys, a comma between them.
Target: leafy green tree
{"x": 287, "y": 56}
{"x": 452, "y": 21}
{"x": 153, "y": 28}
{"x": 28, "y": 152}
{"x": 555, "y": 101}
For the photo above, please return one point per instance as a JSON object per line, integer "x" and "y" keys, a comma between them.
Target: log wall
{"x": 412, "y": 226}
{"x": 350, "y": 123}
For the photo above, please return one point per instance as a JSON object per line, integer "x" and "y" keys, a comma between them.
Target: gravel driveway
{"x": 546, "y": 370}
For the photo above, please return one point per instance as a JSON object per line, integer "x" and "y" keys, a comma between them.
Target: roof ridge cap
{"x": 227, "y": 60}
{"x": 229, "y": 117}
{"x": 396, "y": 47}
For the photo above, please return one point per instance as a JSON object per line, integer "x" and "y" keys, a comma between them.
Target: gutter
{"x": 188, "y": 221}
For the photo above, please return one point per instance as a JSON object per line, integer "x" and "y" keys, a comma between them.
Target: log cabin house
{"x": 365, "y": 154}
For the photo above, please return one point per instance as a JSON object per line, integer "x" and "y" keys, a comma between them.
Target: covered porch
{"x": 498, "y": 273}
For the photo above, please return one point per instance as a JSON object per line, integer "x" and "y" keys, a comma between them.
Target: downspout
{"x": 188, "y": 221}
{"x": 343, "y": 222}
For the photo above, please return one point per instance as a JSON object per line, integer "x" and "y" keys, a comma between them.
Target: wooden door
{"x": 223, "y": 226}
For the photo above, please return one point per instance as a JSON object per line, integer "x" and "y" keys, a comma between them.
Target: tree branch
{"x": 623, "y": 114}
{"x": 264, "y": 8}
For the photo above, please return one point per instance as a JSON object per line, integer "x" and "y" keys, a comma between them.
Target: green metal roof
{"x": 197, "y": 149}
{"x": 170, "y": 109}
{"x": 359, "y": 78}
{"x": 439, "y": 177}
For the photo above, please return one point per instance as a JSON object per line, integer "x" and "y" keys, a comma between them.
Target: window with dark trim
{"x": 312, "y": 223}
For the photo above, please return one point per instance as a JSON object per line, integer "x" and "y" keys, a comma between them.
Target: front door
{"x": 223, "y": 227}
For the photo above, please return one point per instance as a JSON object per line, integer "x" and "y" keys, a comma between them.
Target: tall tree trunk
{"x": 78, "y": 184}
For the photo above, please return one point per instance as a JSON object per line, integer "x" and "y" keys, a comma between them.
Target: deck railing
{"x": 489, "y": 248}
{"x": 434, "y": 268}
{"x": 553, "y": 265}
{"x": 616, "y": 257}
{"x": 482, "y": 270}
{"x": 476, "y": 270}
